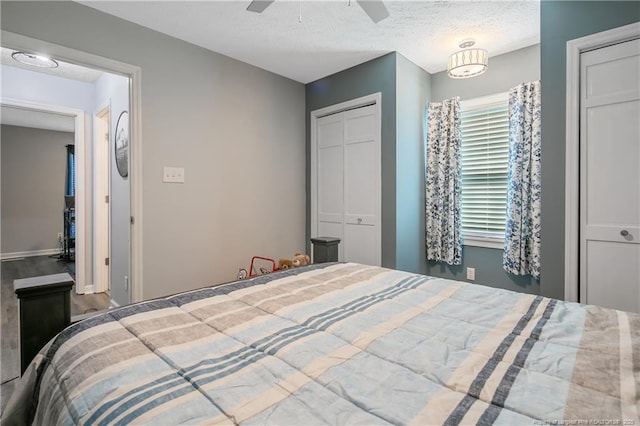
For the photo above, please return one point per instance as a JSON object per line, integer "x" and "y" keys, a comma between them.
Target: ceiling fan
{"x": 376, "y": 9}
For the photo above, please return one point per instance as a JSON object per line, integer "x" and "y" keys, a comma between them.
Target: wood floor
{"x": 9, "y": 349}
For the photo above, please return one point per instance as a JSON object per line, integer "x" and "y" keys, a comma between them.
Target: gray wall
{"x": 33, "y": 187}
{"x": 560, "y": 22}
{"x": 26, "y": 85}
{"x": 413, "y": 92}
{"x": 377, "y": 75}
{"x": 505, "y": 71}
{"x": 236, "y": 129}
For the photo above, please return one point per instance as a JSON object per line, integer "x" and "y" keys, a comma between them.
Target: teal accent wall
{"x": 413, "y": 93}
{"x": 406, "y": 91}
{"x": 505, "y": 71}
{"x": 377, "y": 75}
{"x": 561, "y": 21}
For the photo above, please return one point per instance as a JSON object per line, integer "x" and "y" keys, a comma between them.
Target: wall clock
{"x": 122, "y": 144}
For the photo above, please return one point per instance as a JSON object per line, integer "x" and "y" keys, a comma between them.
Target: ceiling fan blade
{"x": 259, "y": 6}
{"x": 376, "y": 9}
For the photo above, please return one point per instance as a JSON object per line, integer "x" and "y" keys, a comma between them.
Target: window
{"x": 484, "y": 128}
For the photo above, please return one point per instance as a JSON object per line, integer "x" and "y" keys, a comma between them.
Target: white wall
{"x": 19, "y": 83}
{"x": 236, "y": 129}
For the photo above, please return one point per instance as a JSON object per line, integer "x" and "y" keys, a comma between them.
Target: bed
{"x": 341, "y": 344}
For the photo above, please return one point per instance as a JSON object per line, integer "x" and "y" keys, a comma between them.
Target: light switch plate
{"x": 173, "y": 174}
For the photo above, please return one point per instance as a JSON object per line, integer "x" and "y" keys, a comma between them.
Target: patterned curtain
{"x": 443, "y": 229}
{"x": 70, "y": 185}
{"x": 522, "y": 235}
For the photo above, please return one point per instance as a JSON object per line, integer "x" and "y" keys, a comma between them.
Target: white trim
{"x": 374, "y": 99}
{"x": 135, "y": 164}
{"x": 572, "y": 171}
{"x": 31, "y": 253}
{"x": 487, "y": 242}
{"x": 484, "y": 101}
{"x": 80, "y": 141}
{"x": 17, "y": 41}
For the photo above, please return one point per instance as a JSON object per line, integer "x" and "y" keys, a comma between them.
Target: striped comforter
{"x": 345, "y": 344}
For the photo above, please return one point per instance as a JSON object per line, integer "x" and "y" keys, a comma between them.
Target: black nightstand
{"x": 45, "y": 310}
{"x": 325, "y": 249}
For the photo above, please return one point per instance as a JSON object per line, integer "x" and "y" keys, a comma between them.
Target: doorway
{"x": 603, "y": 170}
{"x": 51, "y": 222}
{"x": 123, "y": 277}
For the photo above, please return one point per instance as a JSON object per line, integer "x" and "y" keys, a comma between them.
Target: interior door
{"x": 610, "y": 177}
{"x": 101, "y": 199}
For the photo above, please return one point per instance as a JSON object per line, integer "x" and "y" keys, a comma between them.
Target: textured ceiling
{"x": 334, "y": 35}
{"x": 64, "y": 69}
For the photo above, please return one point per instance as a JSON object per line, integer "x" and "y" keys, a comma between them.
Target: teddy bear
{"x": 300, "y": 259}
{"x": 285, "y": 264}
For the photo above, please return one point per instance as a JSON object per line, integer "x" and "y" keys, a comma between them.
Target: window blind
{"x": 485, "y": 155}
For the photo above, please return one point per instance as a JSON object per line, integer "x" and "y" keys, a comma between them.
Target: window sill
{"x": 493, "y": 243}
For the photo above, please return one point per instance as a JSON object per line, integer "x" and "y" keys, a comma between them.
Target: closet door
{"x": 346, "y": 186}
{"x": 330, "y": 181}
{"x": 610, "y": 177}
{"x": 361, "y": 183}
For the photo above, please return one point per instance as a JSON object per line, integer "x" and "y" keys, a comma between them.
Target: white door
{"x": 610, "y": 176}
{"x": 101, "y": 200}
{"x": 347, "y": 155}
{"x": 330, "y": 190}
{"x": 361, "y": 186}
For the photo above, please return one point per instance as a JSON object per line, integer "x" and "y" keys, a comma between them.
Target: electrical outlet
{"x": 471, "y": 274}
{"x": 59, "y": 236}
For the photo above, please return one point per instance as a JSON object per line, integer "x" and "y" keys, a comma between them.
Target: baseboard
{"x": 88, "y": 289}
{"x": 48, "y": 252}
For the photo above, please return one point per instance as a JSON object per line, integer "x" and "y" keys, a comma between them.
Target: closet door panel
{"x": 361, "y": 186}
{"x": 330, "y": 171}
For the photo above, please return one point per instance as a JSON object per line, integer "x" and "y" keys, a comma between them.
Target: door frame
{"x": 572, "y": 152}
{"x": 375, "y": 100}
{"x": 101, "y": 209}
{"x": 80, "y": 141}
{"x": 134, "y": 73}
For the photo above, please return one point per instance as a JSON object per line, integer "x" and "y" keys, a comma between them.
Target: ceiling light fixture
{"x": 468, "y": 62}
{"x": 34, "y": 60}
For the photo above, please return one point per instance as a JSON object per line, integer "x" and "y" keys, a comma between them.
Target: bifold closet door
{"x": 348, "y": 183}
{"x": 361, "y": 183}
{"x": 330, "y": 167}
{"x": 610, "y": 176}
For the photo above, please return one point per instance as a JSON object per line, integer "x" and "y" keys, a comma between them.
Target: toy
{"x": 301, "y": 259}
{"x": 285, "y": 264}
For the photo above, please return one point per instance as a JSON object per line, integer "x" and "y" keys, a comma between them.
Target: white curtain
{"x": 522, "y": 234}
{"x": 442, "y": 147}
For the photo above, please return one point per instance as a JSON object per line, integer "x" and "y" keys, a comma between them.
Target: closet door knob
{"x": 624, "y": 232}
